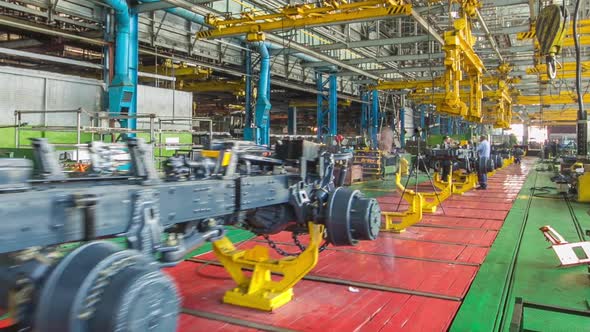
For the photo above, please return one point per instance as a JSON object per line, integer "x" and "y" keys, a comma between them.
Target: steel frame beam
{"x": 372, "y": 43}
{"x": 392, "y": 58}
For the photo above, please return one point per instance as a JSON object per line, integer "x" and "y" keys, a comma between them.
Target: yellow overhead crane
{"x": 563, "y": 71}
{"x": 584, "y": 29}
{"x": 181, "y": 71}
{"x": 314, "y": 104}
{"x": 235, "y": 87}
{"x": 559, "y": 99}
{"x": 565, "y": 67}
{"x": 459, "y": 57}
{"x": 569, "y": 115}
{"x": 437, "y": 82}
{"x": 498, "y": 108}
{"x": 303, "y": 16}
{"x": 498, "y": 111}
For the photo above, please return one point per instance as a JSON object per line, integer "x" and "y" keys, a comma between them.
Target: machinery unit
{"x": 101, "y": 286}
{"x": 550, "y": 30}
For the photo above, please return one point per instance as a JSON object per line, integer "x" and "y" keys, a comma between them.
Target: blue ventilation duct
{"x": 200, "y": 19}
{"x": 262, "y": 110}
{"x": 122, "y": 90}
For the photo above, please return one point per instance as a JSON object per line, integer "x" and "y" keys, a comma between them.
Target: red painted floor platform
{"x": 413, "y": 281}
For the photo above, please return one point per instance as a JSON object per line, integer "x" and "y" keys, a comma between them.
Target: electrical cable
{"x": 582, "y": 150}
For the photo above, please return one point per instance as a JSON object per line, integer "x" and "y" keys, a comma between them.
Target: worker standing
{"x": 446, "y": 163}
{"x": 483, "y": 151}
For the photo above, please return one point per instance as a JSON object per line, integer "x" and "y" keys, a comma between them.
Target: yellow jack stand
{"x": 491, "y": 173}
{"x": 397, "y": 222}
{"x": 403, "y": 166}
{"x": 429, "y": 200}
{"x": 508, "y": 161}
{"x": 462, "y": 183}
{"x": 259, "y": 291}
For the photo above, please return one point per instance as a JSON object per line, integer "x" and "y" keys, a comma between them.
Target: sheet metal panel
{"x": 23, "y": 89}
{"x": 318, "y": 306}
{"x": 166, "y": 103}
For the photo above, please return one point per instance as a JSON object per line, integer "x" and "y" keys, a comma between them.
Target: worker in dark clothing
{"x": 446, "y": 163}
{"x": 518, "y": 153}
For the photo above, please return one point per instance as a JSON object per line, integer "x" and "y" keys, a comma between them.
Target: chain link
{"x": 297, "y": 242}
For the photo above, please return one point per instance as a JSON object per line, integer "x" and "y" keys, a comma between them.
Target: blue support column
{"x": 450, "y": 125}
{"x": 320, "y": 114}
{"x": 402, "y": 127}
{"x": 327, "y": 106}
{"x": 374, "y": 116}
{"x": 423, "y": 120}
{"x": 248, "y": 125}
{"x": 332, "y": 105}
{"x": 364, "y": 113}
{"x": 292, "y": 120}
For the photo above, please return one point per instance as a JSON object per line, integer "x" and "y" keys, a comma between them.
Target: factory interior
{"x": 294, "y": 165}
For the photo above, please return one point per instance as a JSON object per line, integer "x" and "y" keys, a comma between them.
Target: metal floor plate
{"x": 413, "y": 281}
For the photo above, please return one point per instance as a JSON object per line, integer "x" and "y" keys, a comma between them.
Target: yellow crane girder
{"x": 314, "y": 104}
{"x": 531, "y": 34}
{"x": 436, "y": 83}
{"x": 180, "y": 71}
{"x": 555, "y": 115}
{"x": 237, "y": 88}
{"x": 304, "y": 16}
{"x": 561, "y": 67}
{"x": 561, "y": 99}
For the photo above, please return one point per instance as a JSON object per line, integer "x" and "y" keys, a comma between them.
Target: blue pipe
{"x": 374, "y": 118}
{"x": 199, "y": 19}
{"x": 262, "y": 111}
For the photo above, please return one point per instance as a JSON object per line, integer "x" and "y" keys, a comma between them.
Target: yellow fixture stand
{"x": 260, "y": 291}
{"x": 462, "y": 183}
{"x": 429, "y": 200}
{"x": 583, "y": 188}
{"x": 403, "y": 166}
{"x": 397, "y": 222}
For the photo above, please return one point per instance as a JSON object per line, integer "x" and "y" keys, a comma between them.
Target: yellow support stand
{"x": 260, "y": 291}
{"x": 397, "y": 222}
{"x": 429, "y": 200}
{"x": 403, "y": 166}
{"x": 462, "y": 183}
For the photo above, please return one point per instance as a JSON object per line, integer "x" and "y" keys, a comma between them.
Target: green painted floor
{"x": 529, "y": 270}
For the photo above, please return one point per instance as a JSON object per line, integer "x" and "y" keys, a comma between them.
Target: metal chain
{"x": 297, "y": 242}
